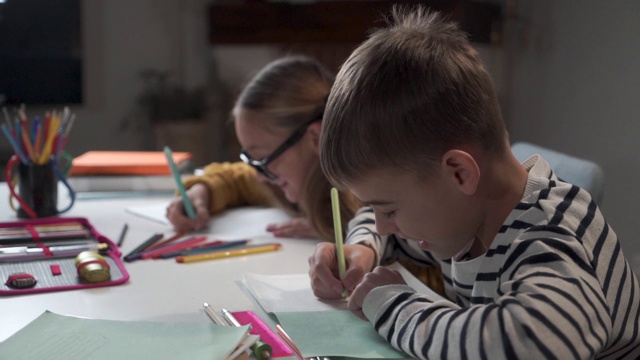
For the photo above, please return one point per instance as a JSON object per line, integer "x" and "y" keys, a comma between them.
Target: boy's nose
{"x": 385, "y": 226}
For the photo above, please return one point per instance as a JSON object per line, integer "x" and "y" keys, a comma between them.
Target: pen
{"x": 229, "y": 253}
{"x": 24, "y": 253}
{"x": 188, "y": 207}
{"x": 287, "y": 339}
{"x": 135, "y": 253}
{"x": 212, "y": 314}
{"x": 260, "y": 349}
{"x": 337, "y": 227}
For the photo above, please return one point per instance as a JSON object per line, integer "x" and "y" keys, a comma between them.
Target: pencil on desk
{"x": 156, "y": 252}
{"x": 205, "y": 248}
{"x": 135, "y": 253}
{"x": 229, "y": 253}
{"x": 337, "y": 227}
{"x": 123, "y": 233}
{"x": 173, "y": 238}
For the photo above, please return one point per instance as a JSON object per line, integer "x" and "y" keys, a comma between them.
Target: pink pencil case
{"x": 52, "y": 272}
{"x": 258, "y": 327}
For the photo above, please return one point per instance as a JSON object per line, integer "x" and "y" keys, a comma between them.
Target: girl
{"x": 277, "y": 118}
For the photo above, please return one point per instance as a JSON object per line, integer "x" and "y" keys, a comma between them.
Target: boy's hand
{"x": 295, "y": 228}
{"x": 199, "y": 196}
{"x": 378, "y": 277}
{"x": 323, "y": 269}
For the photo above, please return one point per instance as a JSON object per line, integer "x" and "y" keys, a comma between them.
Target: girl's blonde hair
{"x": 290, "y": 91}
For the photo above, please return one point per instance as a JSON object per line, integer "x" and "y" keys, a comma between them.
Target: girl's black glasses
{"x": 261, "y": 165}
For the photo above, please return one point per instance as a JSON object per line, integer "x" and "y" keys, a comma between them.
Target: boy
{"x": 413, "y": 129}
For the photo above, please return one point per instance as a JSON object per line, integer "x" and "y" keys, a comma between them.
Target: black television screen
{"x": 40, "y": 52}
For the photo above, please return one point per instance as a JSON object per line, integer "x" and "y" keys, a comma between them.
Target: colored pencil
{"x": 229, "y": 253}
{"x": 206, "y": 248}
{"x": 337, "y": 227}
{"x": 123, "y": 233}
{"x": 173, "y": 238}
{"x": 135, "y": 253}
{"x": 188, "y": 206}
{"x": 156, "y": 252}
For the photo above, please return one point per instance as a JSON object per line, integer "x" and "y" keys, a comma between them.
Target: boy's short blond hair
{"x": 405, "y": 96}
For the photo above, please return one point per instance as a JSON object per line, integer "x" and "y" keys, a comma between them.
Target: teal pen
{"x": 188, "y": 207}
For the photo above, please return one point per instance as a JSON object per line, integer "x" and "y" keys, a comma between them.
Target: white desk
{"x": 158, "y": 290}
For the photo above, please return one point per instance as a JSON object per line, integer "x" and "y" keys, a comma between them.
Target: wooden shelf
{"x": 261, "y": 22}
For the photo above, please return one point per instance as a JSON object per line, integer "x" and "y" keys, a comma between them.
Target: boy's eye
{"x": 388, "y": 214}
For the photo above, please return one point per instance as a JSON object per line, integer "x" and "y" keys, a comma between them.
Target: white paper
{"x": 287, "y": 293}
{"x": 248, "y": 221}
{"x": 154, "y": 212}
{"x": 284, "y": 293}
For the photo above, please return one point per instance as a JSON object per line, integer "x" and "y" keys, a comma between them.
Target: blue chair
{"x": 580, "y": 172}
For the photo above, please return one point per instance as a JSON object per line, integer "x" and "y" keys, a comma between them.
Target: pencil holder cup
{"x": 37, "y": 185}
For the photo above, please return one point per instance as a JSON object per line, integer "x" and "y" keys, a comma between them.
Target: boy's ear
{"x": 460, "y": 167}
{"x": 314, "y": 134}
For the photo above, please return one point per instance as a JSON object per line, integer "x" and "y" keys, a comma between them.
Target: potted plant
{"x": 176, "y": 115}
{"x": 166, "y": 102}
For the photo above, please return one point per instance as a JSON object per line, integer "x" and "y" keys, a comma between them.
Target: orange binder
{"x": 125, "y": 163}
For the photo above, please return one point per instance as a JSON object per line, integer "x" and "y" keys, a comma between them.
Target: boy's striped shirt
{"x": 553, "y": 284}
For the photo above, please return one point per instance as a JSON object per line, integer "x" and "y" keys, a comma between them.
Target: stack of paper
{"x": 127, "y": 163}
{"x": 52, "y": 337}
{"x": 126, "y": 171}
{"x": 164, "y": 183}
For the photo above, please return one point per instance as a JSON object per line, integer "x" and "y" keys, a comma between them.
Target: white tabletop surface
{"x": 163, "y": 290}
{"x": 158, "y": 290}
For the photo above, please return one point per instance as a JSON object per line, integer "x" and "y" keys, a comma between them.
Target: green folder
{"x": 58, "y": 337}
{"x": 336, "y": 334}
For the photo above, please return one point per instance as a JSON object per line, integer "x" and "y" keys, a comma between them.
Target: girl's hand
{"x": 199, "y": 196}
{"x": 324, "y": 274}
{"x": 295, "y": 228}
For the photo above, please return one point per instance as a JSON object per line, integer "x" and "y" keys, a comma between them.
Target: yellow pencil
{"x": 337, "y": 227}
{"x": 229, "y": 253}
